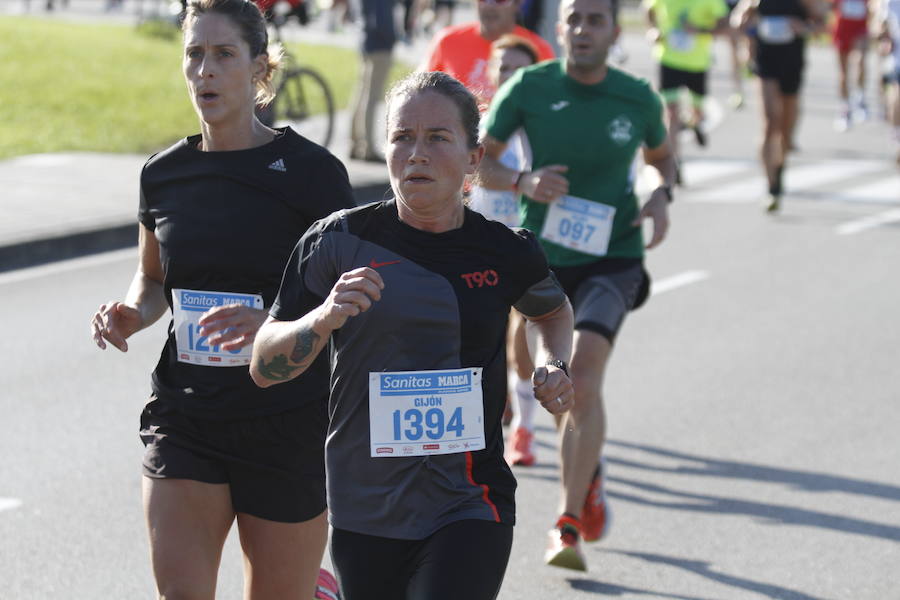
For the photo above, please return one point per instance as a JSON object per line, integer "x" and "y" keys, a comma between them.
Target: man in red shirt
{"x": 851, "y": 40}
{"x": 463, "y": 50}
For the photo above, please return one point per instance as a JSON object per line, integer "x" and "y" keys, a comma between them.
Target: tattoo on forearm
{"x": 306, "y": 342}
{"x": 278, "y": 369}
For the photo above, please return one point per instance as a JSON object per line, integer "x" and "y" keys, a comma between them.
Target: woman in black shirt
{"x": 220, "y": 213}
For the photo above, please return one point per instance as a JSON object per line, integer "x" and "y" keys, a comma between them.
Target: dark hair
{"x": 613, "y": 9}
{"x": 252, "y": 26}
{"x": 516, "y": 42}
{"x": 447, "y": 86}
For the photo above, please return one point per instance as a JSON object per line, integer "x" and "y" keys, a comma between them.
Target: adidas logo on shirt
{"x": 278, "y": 165}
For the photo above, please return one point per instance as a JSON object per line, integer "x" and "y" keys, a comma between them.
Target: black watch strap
{"x": 559, "y": 364}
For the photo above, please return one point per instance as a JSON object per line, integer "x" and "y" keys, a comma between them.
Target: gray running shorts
{"x": 601, "y": 300}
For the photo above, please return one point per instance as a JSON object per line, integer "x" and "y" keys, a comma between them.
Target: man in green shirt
{"x": 683, "y": 31}
{"x": 585, "y": 122}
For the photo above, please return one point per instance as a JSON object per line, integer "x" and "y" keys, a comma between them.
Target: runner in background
{"x": 850, "y": 33}
{"x": 413, "y": 295}
{"x": 220, "y": 213}
{"x": 888, "y": 19}
{"x": 585, "y": 122}
{"x": 509, "y": 54}
{"x": 781, "y": 28}
{"x": 740, "y": 57}
{"x": 463, "y": 50}
{"x": 683, "y": 34}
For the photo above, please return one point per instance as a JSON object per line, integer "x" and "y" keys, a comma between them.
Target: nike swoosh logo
{"x": 375, "y": 264}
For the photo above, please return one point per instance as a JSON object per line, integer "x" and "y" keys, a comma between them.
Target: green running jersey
{"x": 595, "y": 130}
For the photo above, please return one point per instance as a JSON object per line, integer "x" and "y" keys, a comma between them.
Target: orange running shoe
{"x": 519, "y": 449}
{"x": 564, "y": 550}
{"x": 595, "y": 516}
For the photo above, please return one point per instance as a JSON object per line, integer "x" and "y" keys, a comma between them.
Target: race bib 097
{"x": 579, "y": 224}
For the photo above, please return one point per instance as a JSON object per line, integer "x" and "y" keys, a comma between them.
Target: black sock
{"x": 775, "y": 187}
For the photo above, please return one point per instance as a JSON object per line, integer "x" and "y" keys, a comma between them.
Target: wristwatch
{"x": 559, "y": 364}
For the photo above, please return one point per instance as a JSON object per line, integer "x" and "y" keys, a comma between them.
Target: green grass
{"x": 107, "y": 88}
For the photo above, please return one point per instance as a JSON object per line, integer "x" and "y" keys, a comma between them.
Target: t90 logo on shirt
{"x": 481, "y": 278}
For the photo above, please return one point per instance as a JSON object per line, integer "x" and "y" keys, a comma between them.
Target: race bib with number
{"x": 854, "y": 9}
{"x": 187, "y": 307}
{"x": 681, "y": 40}
{"x": 419, "y": 413}
{"x": 579, "y": 224}
{"x": 775, "y": 30}
{"x": 496, "y": 205}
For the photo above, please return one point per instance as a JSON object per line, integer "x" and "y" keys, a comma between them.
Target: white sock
{"x": 523, "y": 404}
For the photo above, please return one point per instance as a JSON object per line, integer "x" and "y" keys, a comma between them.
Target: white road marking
{"x": 881, "y": 191}
{"x": 9, "y": 503}
{"x": 851, "y": 227}
{"x": 676, "y": 281}
{"x": 43, "y": 160}
{"x": 65, "y": 266}
{"x": 742, "y": 191}
{"x": 698, "y": 172}
{"x": 741, "y": 182}
{"x": 825, "y": 173}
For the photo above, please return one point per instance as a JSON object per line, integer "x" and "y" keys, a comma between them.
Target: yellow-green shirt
{"x": 677, "y": 48}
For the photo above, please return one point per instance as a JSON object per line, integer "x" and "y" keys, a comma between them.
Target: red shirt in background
{"x": 460, "y": 51}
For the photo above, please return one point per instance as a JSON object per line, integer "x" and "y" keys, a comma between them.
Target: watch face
{"x": 559, "y": 364}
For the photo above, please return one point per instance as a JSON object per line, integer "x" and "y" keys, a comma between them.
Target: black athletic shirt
{"x": 444, "y": 306}
{"x": 227, "y": 221}
{"x": 792, "y": 52}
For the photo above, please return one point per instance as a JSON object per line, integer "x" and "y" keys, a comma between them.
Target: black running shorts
{"x": 785, "y": 65}
{"x": 274, "y": 464}
{"x": 462, "y": 560}
{"x": 603, "y": 292}
{"x": 673, "y": 79}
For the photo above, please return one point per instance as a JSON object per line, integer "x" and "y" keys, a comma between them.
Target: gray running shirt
{"x": 444, "y": 305}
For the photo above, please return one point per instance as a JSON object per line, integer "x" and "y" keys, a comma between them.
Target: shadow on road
{"x": 766, "y": 512}
{"x": 611, "y": 589}
{"x": 800, "y": 480}
{"x": 703, "y": 569}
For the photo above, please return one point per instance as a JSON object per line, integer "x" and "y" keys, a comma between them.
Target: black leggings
{"x": 465, "y": 559}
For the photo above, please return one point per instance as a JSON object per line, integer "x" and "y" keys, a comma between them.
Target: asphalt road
{"x": 754, "y": 403}
{"x": 753, "y": 409}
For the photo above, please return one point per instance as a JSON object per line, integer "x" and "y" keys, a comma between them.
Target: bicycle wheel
{"x": 304, "y": 102}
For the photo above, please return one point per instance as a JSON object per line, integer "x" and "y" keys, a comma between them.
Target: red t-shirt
{"x": 459, "y": 50}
